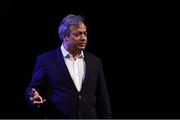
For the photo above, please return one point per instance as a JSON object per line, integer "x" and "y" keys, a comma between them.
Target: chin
{"x": 81, "y": 48}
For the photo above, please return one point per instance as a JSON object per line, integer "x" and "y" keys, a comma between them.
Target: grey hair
{"x": 66, "y": 22}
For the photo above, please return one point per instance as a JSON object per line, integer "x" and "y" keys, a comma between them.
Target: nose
{"x": 83, "y": 36}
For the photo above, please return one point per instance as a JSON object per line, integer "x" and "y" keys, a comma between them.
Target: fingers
{"x": 36, "y": 98}
{"x": 34, "y": 92}
{"x": 39, "y": 102}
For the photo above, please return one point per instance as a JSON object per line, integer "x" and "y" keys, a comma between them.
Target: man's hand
{"x": 35, "y": 98}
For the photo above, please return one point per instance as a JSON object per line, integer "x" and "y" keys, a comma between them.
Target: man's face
{"x": 77, "y": 38}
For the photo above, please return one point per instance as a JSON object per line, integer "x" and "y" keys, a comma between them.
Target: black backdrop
{"x": 136, "y": 42}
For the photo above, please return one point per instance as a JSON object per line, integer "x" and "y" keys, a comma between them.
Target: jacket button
{"x": 79, "y": 97}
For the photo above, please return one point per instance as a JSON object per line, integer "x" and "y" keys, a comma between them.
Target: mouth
{"x": 82, "y": 44}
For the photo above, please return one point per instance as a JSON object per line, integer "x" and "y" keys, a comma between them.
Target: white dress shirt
{"x": 76, "y": 67}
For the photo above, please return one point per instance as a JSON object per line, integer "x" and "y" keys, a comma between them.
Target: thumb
{"x": 33, "y": 92}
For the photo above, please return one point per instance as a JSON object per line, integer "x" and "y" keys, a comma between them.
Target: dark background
{"x": 136, "y": 41}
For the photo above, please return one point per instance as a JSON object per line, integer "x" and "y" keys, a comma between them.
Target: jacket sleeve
{"x": 102, "y": 96}
{"x": 38, "y": 79}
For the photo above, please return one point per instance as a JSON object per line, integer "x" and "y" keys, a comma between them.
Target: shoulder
{"x": 91, "y": 57}
{"x": 49, "y": 54}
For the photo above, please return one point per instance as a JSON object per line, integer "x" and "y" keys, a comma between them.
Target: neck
{"x": 74, "y": 52}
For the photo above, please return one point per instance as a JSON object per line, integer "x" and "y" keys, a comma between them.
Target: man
{"x": 69, "y": 80}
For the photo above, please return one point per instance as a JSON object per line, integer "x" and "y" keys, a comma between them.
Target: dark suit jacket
{"x": 53, "y": 81}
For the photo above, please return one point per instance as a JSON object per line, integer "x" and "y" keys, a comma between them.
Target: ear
{"x": 65, "y": 38}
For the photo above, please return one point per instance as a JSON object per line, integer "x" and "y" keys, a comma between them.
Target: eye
{"x": 85, "y": 33}
{"x": 79, "y": 34}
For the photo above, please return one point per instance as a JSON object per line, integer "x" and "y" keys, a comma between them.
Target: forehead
{"x": 79, "y": 27}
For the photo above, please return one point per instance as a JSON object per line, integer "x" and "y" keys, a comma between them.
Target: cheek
{"x": 73, "y": 41}
{"x": 76, "y": 40}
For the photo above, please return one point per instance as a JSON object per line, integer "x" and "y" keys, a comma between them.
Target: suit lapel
{"x": 86, "y": 71}
{"x": 64, "y": 69}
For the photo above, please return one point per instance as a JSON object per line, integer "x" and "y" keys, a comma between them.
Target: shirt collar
{"x": 66, "y": 54}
